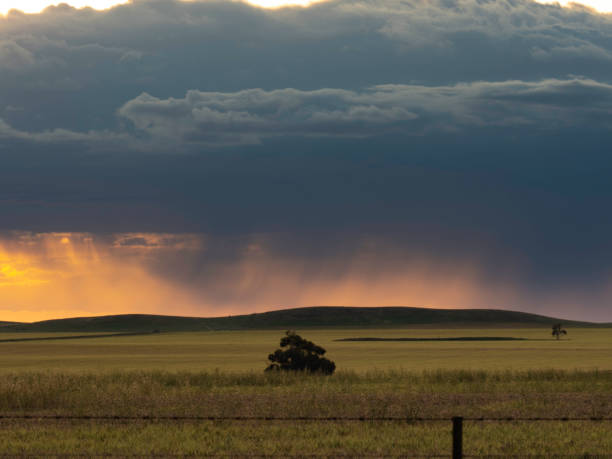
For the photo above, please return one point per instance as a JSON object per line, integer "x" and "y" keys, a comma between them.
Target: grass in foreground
{"x": 346, "y": 394}
{"x": 120, "y": 376}
{"x": 301, "y": 439}
{"x": 551, "y": 393}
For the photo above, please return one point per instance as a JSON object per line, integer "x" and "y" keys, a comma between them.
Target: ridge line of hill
{"x": 303, "y": 317}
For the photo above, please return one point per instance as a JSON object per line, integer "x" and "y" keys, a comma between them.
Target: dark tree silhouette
{"x": 298, "y": 354}
{"x": 557, "y": 331}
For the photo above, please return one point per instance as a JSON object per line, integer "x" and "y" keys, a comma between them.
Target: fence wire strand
{"x": 292, "y": 418}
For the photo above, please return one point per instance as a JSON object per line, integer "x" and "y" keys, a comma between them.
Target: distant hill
{"x": 299, "y": 318}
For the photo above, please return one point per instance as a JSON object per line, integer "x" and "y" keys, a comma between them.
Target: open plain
{"x": 148, "y": 394}
{"x": 245, "y": 351}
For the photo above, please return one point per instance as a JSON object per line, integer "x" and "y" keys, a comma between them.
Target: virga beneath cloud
{"x": 51, "y": 275}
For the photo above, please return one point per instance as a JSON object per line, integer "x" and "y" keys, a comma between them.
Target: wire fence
{"x": 295, "y": 418}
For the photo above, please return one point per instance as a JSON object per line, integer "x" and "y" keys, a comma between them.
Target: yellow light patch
{"x": 51, "y": 275}
{"x": 19, "y": 273}
{"x": 36, "y": 6}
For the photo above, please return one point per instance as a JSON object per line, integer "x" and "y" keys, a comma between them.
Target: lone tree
{"x": 298, "y": 354}
{"x": 557, "y": 331}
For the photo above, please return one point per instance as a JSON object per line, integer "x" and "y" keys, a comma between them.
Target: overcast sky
{"x": 233, "y": 159}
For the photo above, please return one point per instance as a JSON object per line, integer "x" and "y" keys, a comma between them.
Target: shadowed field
{"x": 63, "y": 336}
{"x": 450, "y": 338}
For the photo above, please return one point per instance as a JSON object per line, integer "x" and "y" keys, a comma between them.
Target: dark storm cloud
{"x": 349, "y": 137}
{"x": 91, "y": 63}
{"x": 248, "y": 116}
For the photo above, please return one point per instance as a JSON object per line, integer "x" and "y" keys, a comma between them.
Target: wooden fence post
{"x": 457, "y": 437}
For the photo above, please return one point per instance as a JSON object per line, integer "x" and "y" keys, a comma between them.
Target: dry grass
{"x": 121, "y": 377}
{"x": 381, "y": 393}
{"x": 352, "y": 439}
{"x": 439, "y": 394}
{"x": 247, "y": 351}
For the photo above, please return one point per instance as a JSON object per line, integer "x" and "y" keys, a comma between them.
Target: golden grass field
{"x": 239, "y": 351}
{"x": 220, "y": 374}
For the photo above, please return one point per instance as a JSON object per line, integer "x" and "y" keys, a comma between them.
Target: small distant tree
{"x": 298, "y": 354}
{"x": 557, "y": 331}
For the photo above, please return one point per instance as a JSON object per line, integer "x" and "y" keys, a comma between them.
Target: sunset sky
{"x": 215, "y": 157}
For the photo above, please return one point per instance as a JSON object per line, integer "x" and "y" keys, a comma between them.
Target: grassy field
{"x": 439, "y": 394}
{"x": 239, "y": 351}
{"x": 220, "y": 374}
{"x": 312, "y": 439}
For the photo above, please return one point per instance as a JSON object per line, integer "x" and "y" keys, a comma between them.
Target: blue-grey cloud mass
{"x": 461, "y": 132}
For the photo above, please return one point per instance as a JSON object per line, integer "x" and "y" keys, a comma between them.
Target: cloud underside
{"x": 249, "y": 116}
{"x": 184, "y": 75}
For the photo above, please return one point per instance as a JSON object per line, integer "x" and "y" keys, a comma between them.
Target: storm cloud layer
{"x": 447, "y": 143}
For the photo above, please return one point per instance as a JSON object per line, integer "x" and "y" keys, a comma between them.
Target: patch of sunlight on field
{"x": 238, "y": 351}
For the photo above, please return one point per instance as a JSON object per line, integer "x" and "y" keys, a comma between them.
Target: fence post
{"x": 457, "y": 437}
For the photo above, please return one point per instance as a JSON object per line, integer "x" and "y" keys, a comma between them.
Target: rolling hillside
{"x": 299, "y": 318}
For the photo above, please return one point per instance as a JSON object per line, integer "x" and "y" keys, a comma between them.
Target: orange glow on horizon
{"x": 53, "y": 275}
{"x": 59, "y": 275}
